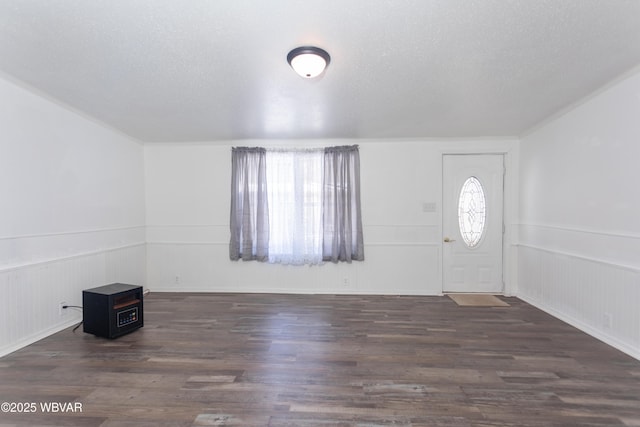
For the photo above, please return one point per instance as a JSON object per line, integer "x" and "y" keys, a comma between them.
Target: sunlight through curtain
{"x": 295, "y": 206}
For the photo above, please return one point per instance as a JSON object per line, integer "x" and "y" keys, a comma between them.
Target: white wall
{"x": 71, "y": 213}
{"x": 579, "y": 234}
{"x": 187, "y": 190}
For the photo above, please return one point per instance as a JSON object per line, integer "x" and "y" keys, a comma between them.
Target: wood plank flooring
{"x": 322, "y": 360}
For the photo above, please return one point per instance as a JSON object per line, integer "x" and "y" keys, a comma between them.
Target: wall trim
{"x": 185, "y": 243}
{"x": 322, "y": 142}
{"x": 69, "y": 233}
{"x": 213, "y": 243}
{"x": 580, "y": 230}
{"x": 185, "y": 225}
{"x": 226, "y": 225}
{"x": 580, "y": 257}
{"x": 402, "y": 225}
{"x": 68, "y": 257}
{"x": 607, "y": 339}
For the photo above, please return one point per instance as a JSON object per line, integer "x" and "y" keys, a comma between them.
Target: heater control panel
{"x": 126, "y": 317}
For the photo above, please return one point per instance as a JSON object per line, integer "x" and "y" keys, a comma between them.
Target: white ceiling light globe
{"x": 308, "y": 61}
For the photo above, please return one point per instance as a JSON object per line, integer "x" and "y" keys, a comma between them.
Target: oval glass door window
{"x": 472, "y": 212}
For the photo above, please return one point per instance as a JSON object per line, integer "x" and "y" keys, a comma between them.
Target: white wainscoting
{"x": 26, "y": 250}
{"x": 31, "y": 291}
{"x": 588, "y": 289}
{"x": 399, "y": 259}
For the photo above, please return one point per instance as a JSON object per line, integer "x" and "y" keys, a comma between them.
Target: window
{"x": 472, "y": 212}
{"x": 296, "y": 206}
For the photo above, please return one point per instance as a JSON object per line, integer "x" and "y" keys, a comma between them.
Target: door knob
{"x": 448, "y": 240}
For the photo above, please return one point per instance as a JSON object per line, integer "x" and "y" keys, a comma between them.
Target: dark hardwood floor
{"x": 303, "y": 360}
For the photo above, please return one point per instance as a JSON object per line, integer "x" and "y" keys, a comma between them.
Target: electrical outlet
{"x": 177, "y": 280}
{"x": 61, "y": 310}
{"x": 345, "y": 281}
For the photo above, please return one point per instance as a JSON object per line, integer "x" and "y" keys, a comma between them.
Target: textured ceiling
{"x": 203, "y": 70}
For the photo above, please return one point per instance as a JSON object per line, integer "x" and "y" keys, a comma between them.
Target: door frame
{"x": 509, "y": 213}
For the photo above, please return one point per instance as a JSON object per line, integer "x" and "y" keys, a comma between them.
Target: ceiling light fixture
{"x": 308, "y": 61}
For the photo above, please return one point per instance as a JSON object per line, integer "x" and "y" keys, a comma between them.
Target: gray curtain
{"x": 342, "y": 222}
{"x": 249, "y": 206}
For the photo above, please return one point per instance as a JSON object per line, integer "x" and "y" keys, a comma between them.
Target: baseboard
{"x": 588, "y": 329}
{"x": 289, "y": 291}
{"x": 37, "y": 337}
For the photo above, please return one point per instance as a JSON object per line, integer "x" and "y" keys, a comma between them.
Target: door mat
{"x": 477, "y": 300}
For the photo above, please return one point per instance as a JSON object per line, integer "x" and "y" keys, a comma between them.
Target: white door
{"x": 472, "y": 223}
